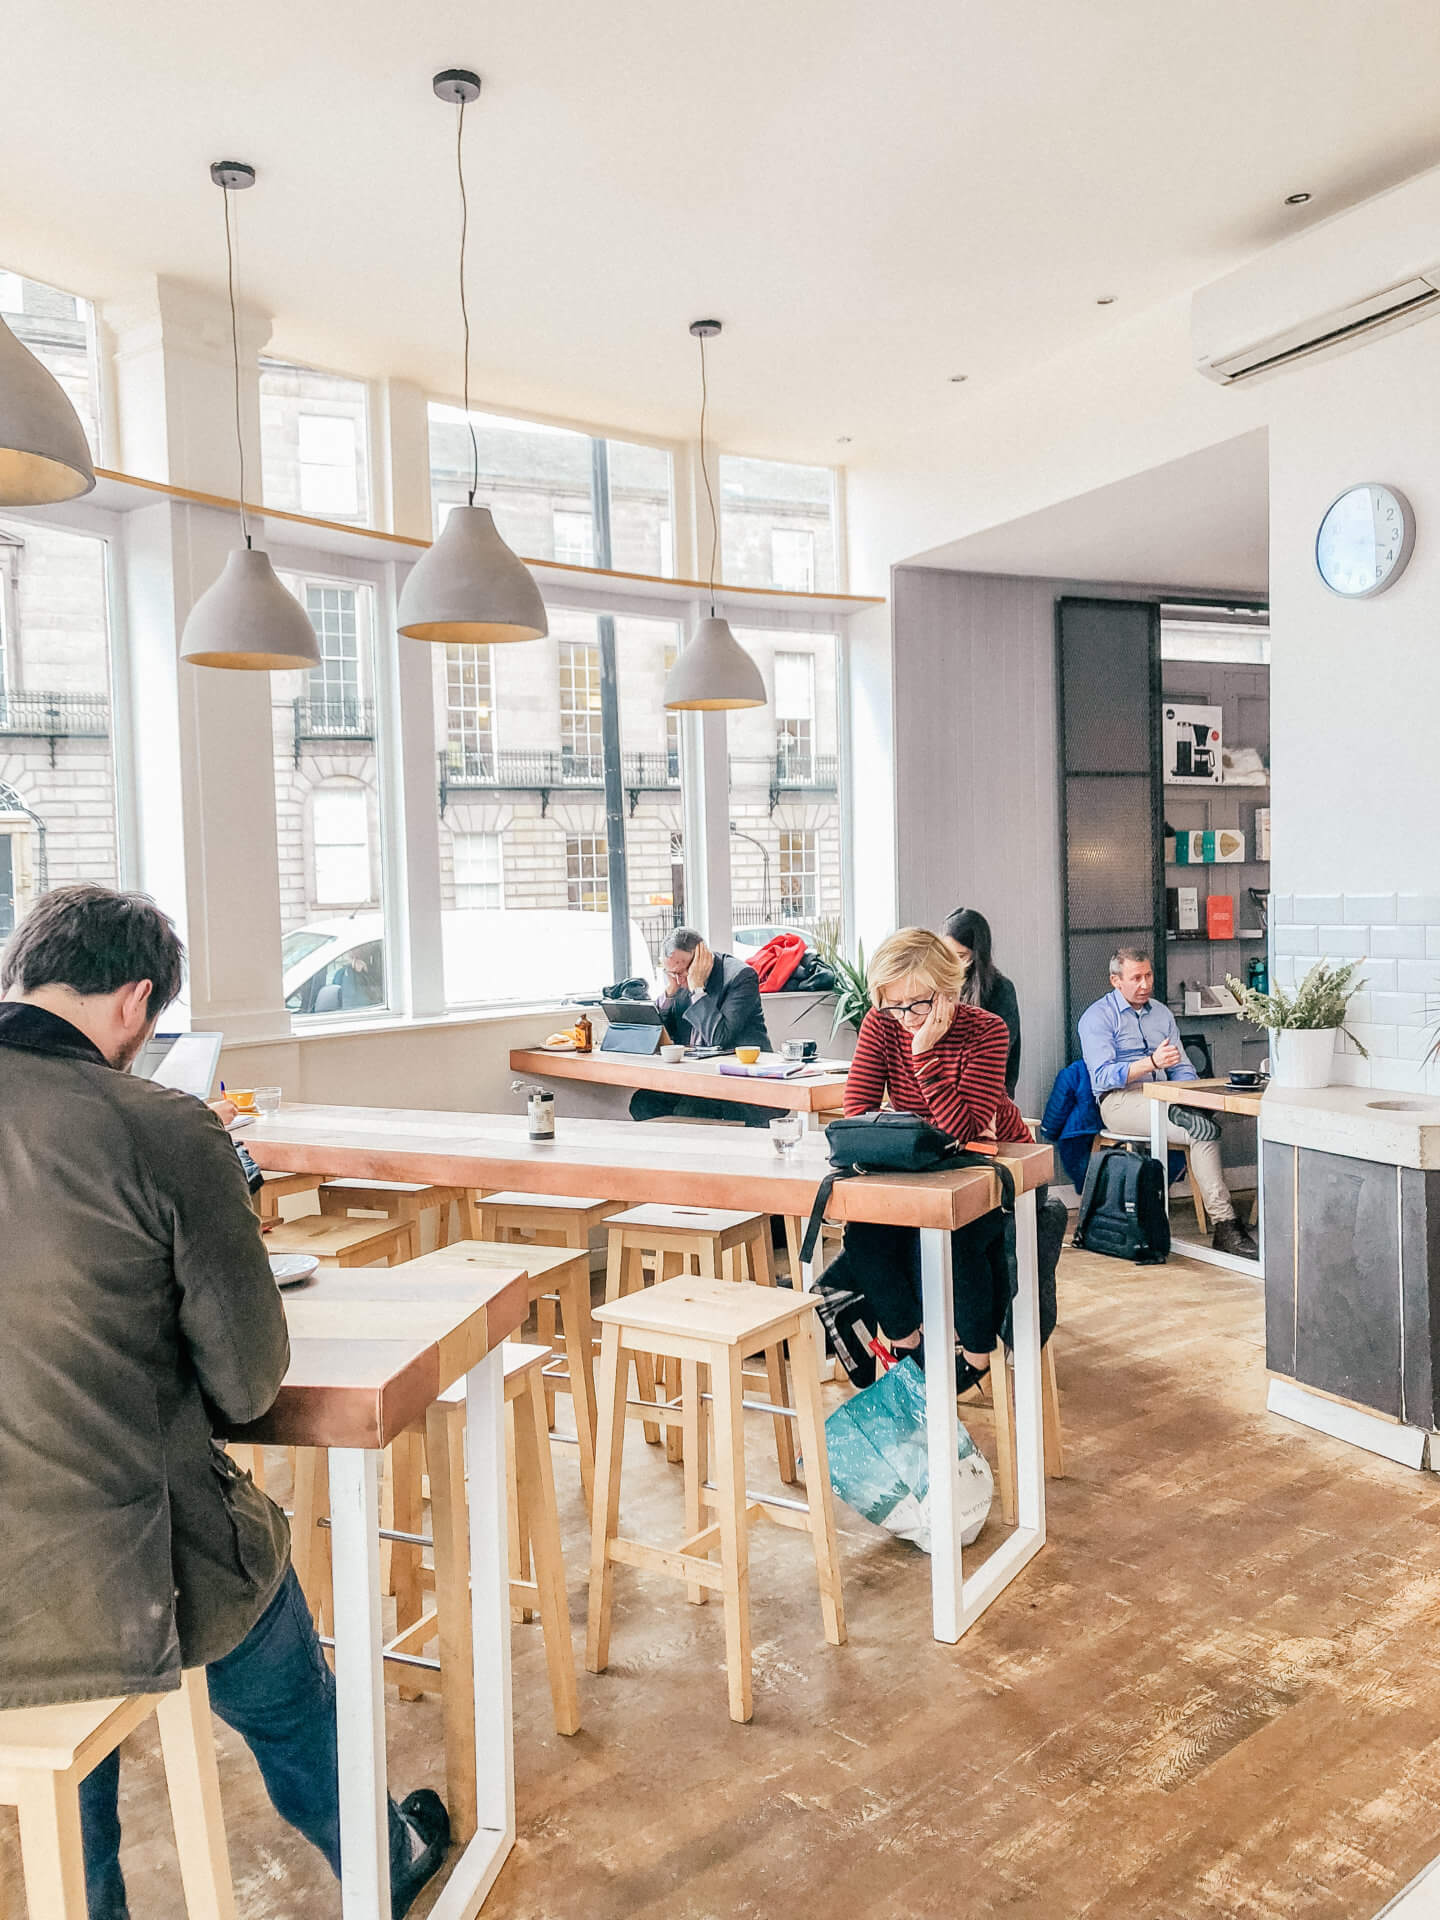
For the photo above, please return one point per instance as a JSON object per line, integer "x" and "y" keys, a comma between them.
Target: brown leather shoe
{"x": 1230, "y": 1237}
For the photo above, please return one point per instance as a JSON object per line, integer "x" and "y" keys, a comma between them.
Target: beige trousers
{"x": 1129, "y": 1113}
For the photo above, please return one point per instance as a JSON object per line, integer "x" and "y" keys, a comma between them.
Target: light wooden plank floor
{"x": 1216, "y": 1697}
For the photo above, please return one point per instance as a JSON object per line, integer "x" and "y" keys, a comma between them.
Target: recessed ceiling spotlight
{"x": 958, "y": 379}
{"x": 1105, "y": 300}
{"x": 843, "y": 439}
{"x": 1296, "y": 199}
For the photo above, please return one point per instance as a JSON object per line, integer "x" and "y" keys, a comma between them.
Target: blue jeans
{"x": 278, "y": 1693}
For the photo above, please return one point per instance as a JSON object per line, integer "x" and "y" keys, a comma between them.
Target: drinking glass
{"x": 785, "y": 1133}
{"x": 267, "y": 1100}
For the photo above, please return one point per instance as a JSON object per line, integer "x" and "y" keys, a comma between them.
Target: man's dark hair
{"x": 94, "y": 940}
{"x": 682, "y": 940}
{"x": 1138, "y": 955}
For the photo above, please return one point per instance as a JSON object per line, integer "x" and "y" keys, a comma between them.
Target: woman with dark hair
{"x": 967, "y": 933}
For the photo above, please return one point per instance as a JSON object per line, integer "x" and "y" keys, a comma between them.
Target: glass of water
{"x": 267, "y": 1100}
{"x": 785, "y": 1133}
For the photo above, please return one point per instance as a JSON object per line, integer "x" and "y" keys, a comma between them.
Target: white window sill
{"x": 312, "y": 1029}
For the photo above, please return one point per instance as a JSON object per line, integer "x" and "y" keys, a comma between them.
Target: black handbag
{"x": 891, "y": 1142}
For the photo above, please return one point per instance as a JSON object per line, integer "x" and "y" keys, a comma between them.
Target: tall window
{"x": 799, "y": 874}
{"x": 479, "y": 870}
{"x": 59, "y": 329}
{"x": 57, "y": 766}
{"x": 314, "y": 442}
{"x": 335, "y": 684}
{"x": 340, "y": 824}
{"x": 777, "y": 524}
{"x": 785, "y": 867}
{"x": 469, "y": 707}
{"x": 582, "y": 746}
{"x": 587, "y": 872}
{"x": 794, "y": 713}
{"x": 645, "y": 649}
{"x": 540, "y": 483}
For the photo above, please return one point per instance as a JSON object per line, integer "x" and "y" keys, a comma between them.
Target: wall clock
{"x": 1365, "y": 540}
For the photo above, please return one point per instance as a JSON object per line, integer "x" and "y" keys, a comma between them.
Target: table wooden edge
{"x": 796, "y": 1096}
{"x": 1211, "y": 1096}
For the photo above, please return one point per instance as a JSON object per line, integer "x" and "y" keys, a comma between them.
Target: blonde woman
{"x": 927, "y": 1051}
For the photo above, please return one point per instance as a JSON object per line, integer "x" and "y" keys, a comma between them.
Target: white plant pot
{"x": 1302, "y": 1057}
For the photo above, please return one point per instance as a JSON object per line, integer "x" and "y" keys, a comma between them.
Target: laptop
{"x": 635, "y": 1027}
{"x": 186, "y": 1061}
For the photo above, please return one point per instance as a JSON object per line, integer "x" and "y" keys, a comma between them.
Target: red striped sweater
{"x": 959, "y": 1084}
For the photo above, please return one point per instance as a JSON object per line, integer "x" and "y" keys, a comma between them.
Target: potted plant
{"x": 852, "y": 989}
{"x": 1303, "y": 1024}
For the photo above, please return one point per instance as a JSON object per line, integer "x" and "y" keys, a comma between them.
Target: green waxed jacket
{"x": 137, "y": 1308}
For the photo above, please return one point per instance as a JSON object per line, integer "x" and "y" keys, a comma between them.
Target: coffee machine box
{"x": 1187, "y": 909}
{"x": 1191, "y": 740}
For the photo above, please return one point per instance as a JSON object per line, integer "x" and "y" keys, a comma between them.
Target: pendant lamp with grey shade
{"x": 712, "y": 673}
{"x": 469, "y": 588}
{"x": 246, "y": 620}
{"x": 44, "y": 455}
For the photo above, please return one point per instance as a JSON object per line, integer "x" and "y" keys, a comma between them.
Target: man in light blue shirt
{"x": 1128, "y": 1038}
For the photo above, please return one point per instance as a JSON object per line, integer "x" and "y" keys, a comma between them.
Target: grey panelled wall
{"x": 977, "y": 813}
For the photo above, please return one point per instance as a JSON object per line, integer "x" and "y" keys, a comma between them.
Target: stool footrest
{"x": 784, "y": 1512}
{"x": 680, "y": 1566}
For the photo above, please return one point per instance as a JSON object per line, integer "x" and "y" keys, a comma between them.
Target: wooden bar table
{"x": 815, "y": 1089}
{"x": 369, "y": 1353}
{"x": 1210, "y": 1096}
{"x": 708, "y": 1167}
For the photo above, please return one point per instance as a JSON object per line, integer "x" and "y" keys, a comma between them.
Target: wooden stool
{"x": 547, "y": 1219}
{"x": 346, "y": 1243}
{"x": 719, "y": 1243}
{"x": 559, "y": 1278}
{"x": 1002, "y": 1389}
{"x": 45, "y": 1752}
{"x": 277, "y": 1185}
{"x": 708, "y": 1325}
{"x": 402, "y": 1200}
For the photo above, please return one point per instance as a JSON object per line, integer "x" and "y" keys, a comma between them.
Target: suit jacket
{"x": 728, "y": 1013}
{"x": 136, "y": 1296}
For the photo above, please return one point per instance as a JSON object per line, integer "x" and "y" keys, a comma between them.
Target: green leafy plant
{"x": 852, "y": 989}
{"x": 1318, "y": 1003}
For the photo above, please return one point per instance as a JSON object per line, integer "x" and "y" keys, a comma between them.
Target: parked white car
{"x": 491, "y": 954}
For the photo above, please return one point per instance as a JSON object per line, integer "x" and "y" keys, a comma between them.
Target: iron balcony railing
{"x": 317, "y": 719}
{"x": 796, "y": 767}
{"x": 54, "y": 716}
{"x": 472, "y": 767}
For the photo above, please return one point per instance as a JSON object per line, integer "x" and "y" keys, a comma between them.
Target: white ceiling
{"x": 871, "y": 197}
{"x": 1199, "y": 523}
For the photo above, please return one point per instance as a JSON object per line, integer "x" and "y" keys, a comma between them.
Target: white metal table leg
{"x": 478, "y": 1867}
{"x": 1160, "y": 1144}
{"x": 359, "y": 1683}
{"x": 942, "y": 1429}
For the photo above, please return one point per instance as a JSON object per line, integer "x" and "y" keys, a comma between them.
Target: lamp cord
{"x": 230, "y": 249}
{"x": 705, "y": 473}
{"x": 464, "y": 308}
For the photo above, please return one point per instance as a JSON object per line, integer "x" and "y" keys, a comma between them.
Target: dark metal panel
{"x": 1279, "y": 1257}
{"x": 1419, "y": 1283}
{"x": 1348, "y": 1279}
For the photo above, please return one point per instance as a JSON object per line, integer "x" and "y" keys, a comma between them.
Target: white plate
{"x": 290, "y": 1269}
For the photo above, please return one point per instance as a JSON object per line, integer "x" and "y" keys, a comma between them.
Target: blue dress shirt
{"x": 1113, "y": 1035}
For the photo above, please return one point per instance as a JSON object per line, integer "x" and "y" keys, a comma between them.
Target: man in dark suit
{"x": 710, "y": 1000}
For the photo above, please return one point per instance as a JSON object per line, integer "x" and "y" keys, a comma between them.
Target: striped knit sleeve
{"x": 865, "y": 1086}
{"x": 963, "y": 1079}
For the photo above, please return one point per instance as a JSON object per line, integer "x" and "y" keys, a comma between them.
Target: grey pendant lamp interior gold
{"x": 44, "y": 454}
{"x": 469, "y": 587}
{"x": 246, "y": 619}
{"x": 712, "y": 673}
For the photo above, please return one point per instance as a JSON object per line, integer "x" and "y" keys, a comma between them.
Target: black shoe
{"x": 1230, "y": 1237}
{"x": 966, "y": 1376}
{"x": 424, "y": 1814}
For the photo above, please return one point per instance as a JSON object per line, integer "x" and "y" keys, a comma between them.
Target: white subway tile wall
{"x": 1396, "y": 1015}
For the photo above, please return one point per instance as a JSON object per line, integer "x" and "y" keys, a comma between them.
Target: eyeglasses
{"x": 913, "y": 1006}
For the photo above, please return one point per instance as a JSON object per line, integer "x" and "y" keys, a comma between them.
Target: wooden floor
{"x": 1216, "y": 1694}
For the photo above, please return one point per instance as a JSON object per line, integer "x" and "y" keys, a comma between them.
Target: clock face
{"x": 1365, "y": 540}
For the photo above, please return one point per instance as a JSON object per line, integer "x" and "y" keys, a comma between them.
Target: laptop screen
{"x": 187, "y": 1061}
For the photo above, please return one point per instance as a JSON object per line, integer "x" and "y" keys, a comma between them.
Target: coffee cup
{"x": 1245, "y": 1077}
{"x": 747, "y": 1056}
{"x": 672, "y": 1054}
{"x": 242, "y": 1097}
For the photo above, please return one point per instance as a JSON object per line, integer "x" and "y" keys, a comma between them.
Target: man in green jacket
{"x": 139, "y": 1310}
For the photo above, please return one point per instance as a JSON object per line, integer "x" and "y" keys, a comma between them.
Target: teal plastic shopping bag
{"x": 880, "y": 1462}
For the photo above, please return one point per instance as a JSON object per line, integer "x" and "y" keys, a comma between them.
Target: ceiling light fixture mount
{"x": 713, "y": 673}
{"x": 1296, "y": 199}
{"x": 469, "y": 588}
{"x": 958, "y": 379}
{"x": 245, "y": 619}
{"x": 1105, "y": 299}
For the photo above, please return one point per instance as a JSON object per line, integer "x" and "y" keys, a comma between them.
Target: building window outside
{"x": 314, "y": 442}
{"x": 469, "y": 709}
{"x": 479, "y": 870}
{"x": 59, "y": 329}
{"x": 777, "y": 524}
{"x": 574, "y": 537}
{"x": 587, "y": 872}
{"x": 792, "y": 559}
{"x": 794, "y": 714}
{"x": 334, "y": 686}
{"x": 672, "y": 720}
{"x": 539, "y": 482}
{"x": 340, "y": 831}
{"x": 582, "y": 747}
{"x": 799, "y": 875}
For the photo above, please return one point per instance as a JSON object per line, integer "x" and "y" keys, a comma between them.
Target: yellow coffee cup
{"x": 243, "y": 1097}
{"x": 747, "y": 1056}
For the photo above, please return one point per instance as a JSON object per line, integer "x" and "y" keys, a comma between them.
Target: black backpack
{"x": 1122, "y": 1210}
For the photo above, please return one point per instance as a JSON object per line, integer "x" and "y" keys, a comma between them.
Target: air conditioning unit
{"x": 1368, "y": 270}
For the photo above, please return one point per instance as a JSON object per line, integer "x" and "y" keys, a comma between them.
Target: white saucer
{"x": 292, "y": 1269}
